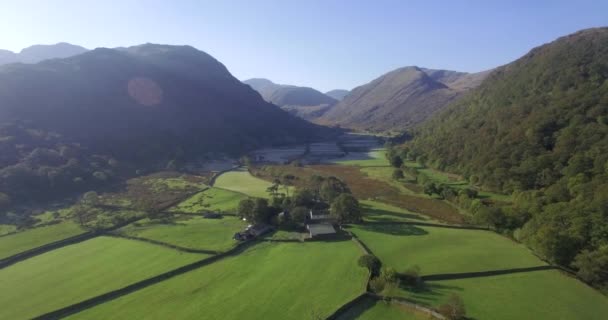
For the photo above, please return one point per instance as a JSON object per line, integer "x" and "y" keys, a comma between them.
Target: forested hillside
{"x": 68, "y": 124}
{"x": 537, "y": 128}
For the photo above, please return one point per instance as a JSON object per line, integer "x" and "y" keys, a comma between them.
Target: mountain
{"x": 304, "y": 102}
{"x": 142, "y": 105}
{"x": 337, "y": 94}
{"x": 37, "y": 53}
{"x": 537, "y": 128}
{"x": 400, "y": 99}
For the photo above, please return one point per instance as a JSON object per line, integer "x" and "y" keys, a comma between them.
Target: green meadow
{"x": 267, "y": 281}
{"x": 212, "y": 199}
{"x": 77, "y": 272}
{"x": 372, "y": 158}
{"x": 538, "y": 295}
{"x": 370, "y": 309}
{"x": 36, "y": 237}
{"x": 189, "y": 232}
{"x": 438, "y": 250}
{"x": 243, "y": 182}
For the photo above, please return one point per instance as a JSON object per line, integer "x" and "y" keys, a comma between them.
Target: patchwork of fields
{"x": 281, "y": 277}
{"x": 268, "y": 281}
{"x": 74, "y": 273}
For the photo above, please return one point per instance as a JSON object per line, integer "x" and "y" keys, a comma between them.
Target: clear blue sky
{"x": 319, "y": 43}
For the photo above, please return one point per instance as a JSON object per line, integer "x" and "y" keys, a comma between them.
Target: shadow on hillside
{"x": 395, "y": 229}
{"x": 374, "y": 214}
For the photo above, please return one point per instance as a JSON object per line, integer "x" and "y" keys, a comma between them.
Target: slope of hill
{"x": 538, "y": 127}
{"x": 399, "y": 99}
{"x": 37, "y": 53}
{"x": 337, "y": 94}
{"x": 303, "y": 102}
{"x": 64, "y": 119}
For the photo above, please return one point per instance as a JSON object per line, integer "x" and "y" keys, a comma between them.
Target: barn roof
{"x": 321, "y": 229}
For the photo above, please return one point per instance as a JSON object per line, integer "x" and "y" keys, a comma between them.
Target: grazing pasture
{"x": 77, "y": 272}
{"x": 189, "y": 232}
{"x": 538, "y": 295}
{"x": 267, "y": 281}
{"x": 243, "y": 182}
{"x": 371, "y": 309}
{"x": 36, "y": 237}
{"x": 211, "y": 200}
{"x": 439, "y": 250}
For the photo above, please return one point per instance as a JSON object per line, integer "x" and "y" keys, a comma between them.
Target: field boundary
{"x": 163, "y": 244}
{"x": 427, "y": 224}
{"x": 465, "y": 275}
{"x": 114, "y": 294}
{"x": 394, "y": 300}
{"x": 46, "y": 248}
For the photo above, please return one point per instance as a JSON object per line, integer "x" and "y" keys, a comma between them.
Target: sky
{"x": 325, "y": 44}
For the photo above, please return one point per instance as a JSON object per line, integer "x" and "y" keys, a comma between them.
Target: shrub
{"x": 371, "y": 262}
{"x": 453, "y": 309}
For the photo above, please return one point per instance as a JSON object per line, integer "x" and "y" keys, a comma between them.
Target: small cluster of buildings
{"x": 318, "y": 225}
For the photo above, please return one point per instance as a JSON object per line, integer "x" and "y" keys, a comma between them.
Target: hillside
{"x": 303, "y": 102}
{"x": 400, "y": 99}
{"x": 537, "y": 128}
{"x": 37, "y": 53}
{"x": 73, "y": 123}
{"x": 337, "y": 94}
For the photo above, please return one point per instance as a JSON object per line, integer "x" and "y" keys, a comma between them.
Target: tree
{"x": 430, "y": 188}
{"x": 5, "y": 200}
{"x": 592, "y": 266}
{"x": 454, "y": 308}
{"x": 371, "y": 262}
{"x": 398, "y": 174}
{"x": 331, "y": 188}
{"x": 345, "y": 209}
{"x": 303, "y": 198}
{"x": 299, "y": 214}
{"x": 261, "y": 211}
{"x": 246, "y": 208}
{"x": 395, "y": 161}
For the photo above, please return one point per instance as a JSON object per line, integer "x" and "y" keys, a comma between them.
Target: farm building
{"x": 317, "y": 230}
{"x": 252, "y": 231}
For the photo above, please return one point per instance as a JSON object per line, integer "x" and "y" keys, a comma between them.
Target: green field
{"x": 267, "y": 281}
{"x": 242, "y": 181}
{"x": 190, "y": 232}
{"x": 375, "y": 211}
{"x": 372, "y": 158}
{"x": 7, "y": 228}
{"x": 77, "y": 272}
{"x": 212, "y": 199}
{"x": 438, "y": 250}
{"x": 534, "y": 295}
{"x": 370, "y": 309}
{"x": 36, "y": 237}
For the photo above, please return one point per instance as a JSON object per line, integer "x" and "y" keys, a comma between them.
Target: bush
{"x": 398, "y": 174}
{"x": 453, "y": 309}
{"x": 371, "y": 262}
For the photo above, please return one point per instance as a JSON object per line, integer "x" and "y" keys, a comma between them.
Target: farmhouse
{"x": 320, "y": 225}
{"x": 252, "y": 231}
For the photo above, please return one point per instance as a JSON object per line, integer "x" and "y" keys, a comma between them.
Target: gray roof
{"x": 321, "y": 229}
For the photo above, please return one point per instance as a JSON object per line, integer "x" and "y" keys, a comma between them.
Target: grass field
{"x": 242, "y": 181}
{"x": 7, "y": 228}
{"x": 212, "y": 199}
{"x": 438, "y": 250}
{"x": 370, "y": 159}
{"x": 36, "y": 237}
{"x": 267, "y": 281}
{"x": 190, "y": 232}
{"x": 540, "y": 295}
{"x": 77, "y": 272}
{"x": 374, "y": 211}
{"x": 370, "y": 309}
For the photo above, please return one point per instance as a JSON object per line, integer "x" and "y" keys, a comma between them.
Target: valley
{"x": 144, "y": 178}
